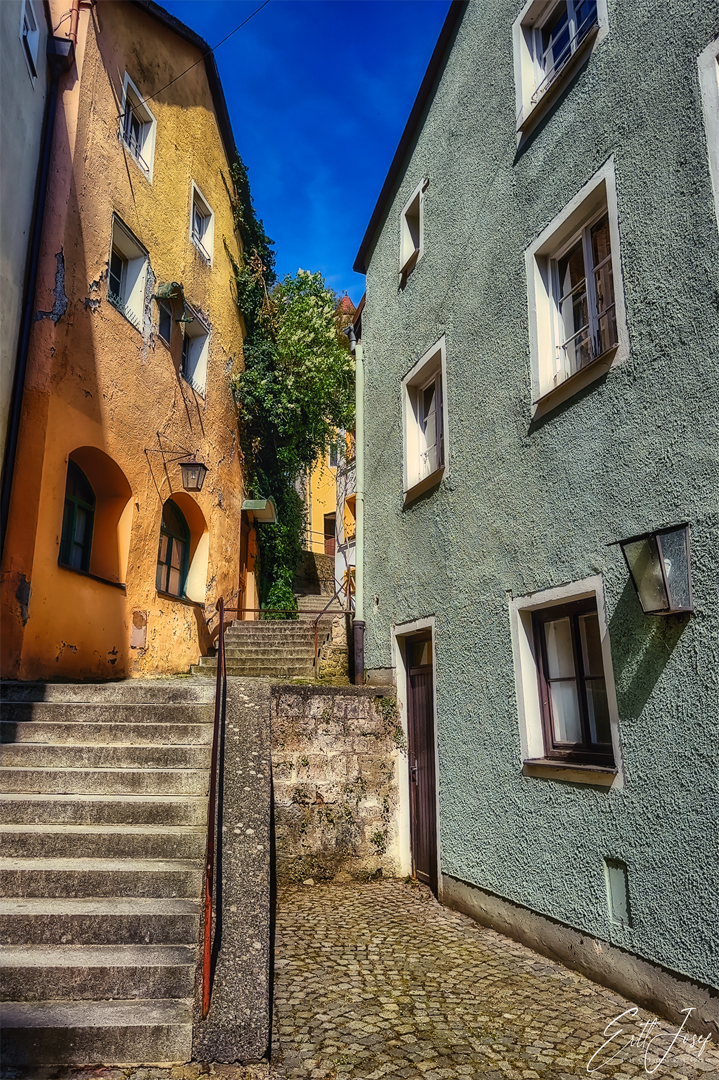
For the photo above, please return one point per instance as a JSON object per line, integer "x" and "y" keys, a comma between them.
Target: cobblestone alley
{"x": 379, "y": 980}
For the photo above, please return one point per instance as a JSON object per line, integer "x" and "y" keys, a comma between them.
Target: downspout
{"x": 358, "y": 626}
{"x": 60, "y": 58}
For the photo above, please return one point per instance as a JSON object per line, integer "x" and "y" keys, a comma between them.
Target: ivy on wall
{"x": 296, "y": 391}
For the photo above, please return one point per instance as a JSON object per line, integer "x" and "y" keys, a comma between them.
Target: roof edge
{"x": 444, "y": 41}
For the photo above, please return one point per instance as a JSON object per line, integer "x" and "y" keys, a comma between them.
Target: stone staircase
{"x": 103, "y": 790}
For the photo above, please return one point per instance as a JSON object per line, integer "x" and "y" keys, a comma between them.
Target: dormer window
{"x": 137, "y": 128}
{"x": 202, "y": 225}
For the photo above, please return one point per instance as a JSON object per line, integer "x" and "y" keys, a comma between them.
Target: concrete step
{"x": 89, "y": 921}
{"x": 99, "y": 712}
{"x": 166, "y": 810}
{"x": 97, "y": 756}
{"x": 269, "y": 671}
{"x": 105, "y": 781}
{"x": 75, "y": 1032}
{"x": 288, "y": 655}
{"x": 105, "y": 734}
{"x": 102, "y": 841}
{"x": 127, "y": 691}
{"x": 96, "y": 972}
{"x": 100, "y": 877}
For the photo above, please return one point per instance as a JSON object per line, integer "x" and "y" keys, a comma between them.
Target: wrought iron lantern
{"x": 193, "y": 474}
{"x": 660, "y": 566}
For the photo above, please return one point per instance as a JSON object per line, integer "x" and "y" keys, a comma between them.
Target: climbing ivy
{"x": 296, "y": 391}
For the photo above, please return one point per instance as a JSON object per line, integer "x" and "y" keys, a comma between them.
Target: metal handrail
{"x": 210, "y": 851}
{"x": 324, "y": 609}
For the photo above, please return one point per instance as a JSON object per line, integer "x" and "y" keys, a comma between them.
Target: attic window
{"x": 412, "y": 231}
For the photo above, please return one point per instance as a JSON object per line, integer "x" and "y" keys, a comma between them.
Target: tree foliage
{"x": 297, "y": 388}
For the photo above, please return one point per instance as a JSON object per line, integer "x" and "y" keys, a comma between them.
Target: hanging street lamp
{"x": 660, "y": 566}
{"x": 193, "y": 474}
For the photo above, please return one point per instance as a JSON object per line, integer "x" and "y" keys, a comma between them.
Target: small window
{"x": 572, "y": 687}
{"x": 202, "y": 225}
{"x": 333, "y": 456}
{"x": 709, "y": 82}
{"x": 137, "y": 128}
{"x": 127, "y": 272}
{"x": 30, "y": 37}
{"x": 551, "y": 37}
{"x": 77, "y": 520}
{"x": 195, "y": 349}
{"x": 412, "y": 231}
{"x": 173, "y": 553}
{"x": 350, "y": 517}
{"x": 425, "y": 421}
{"x": 164, "y": 321}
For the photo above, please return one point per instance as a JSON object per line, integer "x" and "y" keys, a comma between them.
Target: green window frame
{"x": 77, "y": 520}
{"x": 173, "y": 552}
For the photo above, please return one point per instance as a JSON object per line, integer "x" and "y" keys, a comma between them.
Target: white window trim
{"x": 399, "y": 632}
{"x": 600, "y": 191}
{"x": 206, "y": 245}
{"x": 134, "y": 276}
{"x": 433, "y": 361}
{"x": 34, "y": 44}
{"x": 200, "y": 354}
{"x": 534, "y": 13}
{"x": 527, "y": 687}
{"x": 409, "y": 259}
{"x": 709, "y": 81}
{"x": 149, "y": 143}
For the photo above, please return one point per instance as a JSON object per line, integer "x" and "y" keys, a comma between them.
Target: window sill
{"x": 570, "y": 771}
{"x": 199, "y": 246}
{"x": 180, "y": 600}
{"x": 576, "y": 382}
{"x": 127, "y": 315}
{"x": 526, "y": 122}
{"x": 194, "y": 386}
{"x": 408, "y": 267}
{"x": 423, "y": 485}
{"x": 94, "y": 577}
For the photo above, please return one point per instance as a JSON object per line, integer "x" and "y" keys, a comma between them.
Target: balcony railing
{"x": 133, "y": 145}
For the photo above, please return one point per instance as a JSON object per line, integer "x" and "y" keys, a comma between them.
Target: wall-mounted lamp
{"x": 660, "y": 565}
{"x": 193, "y": 474}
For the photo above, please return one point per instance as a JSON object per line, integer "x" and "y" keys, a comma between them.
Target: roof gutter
{"x": 426, "y": 91}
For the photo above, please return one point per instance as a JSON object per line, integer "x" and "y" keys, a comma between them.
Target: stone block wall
{"x": 336, "y": 756}
{"x": 333, "y": 654}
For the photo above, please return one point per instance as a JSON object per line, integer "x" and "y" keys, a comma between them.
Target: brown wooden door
{"x": 422, "y": 780}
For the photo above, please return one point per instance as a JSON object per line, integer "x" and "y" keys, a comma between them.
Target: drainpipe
{"x": 358, "y": 625}
{"x": 60, "y": 58}
{"x": 74, "y": 20}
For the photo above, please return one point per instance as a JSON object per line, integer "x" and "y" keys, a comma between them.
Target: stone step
{"x": 105, "y": 781}
{"x": 97, "y": 756}
{"x": 73, "y": 1033}
{"x": 102, "y": 841}
{"x": 271, "y": 671}
{"x": 90, "y": 921}
{"x": 100, "y": 877}
{"x": 166, "y": 810}
{"x": 287, "y": 655}
{"x": 127, "y": 691}
{"x": 96, "y": 972}
{"x": 108, "y": 712}
{"x": 107, "y": 734}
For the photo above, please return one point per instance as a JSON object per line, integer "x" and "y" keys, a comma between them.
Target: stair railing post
{"x": 210, "y": 854}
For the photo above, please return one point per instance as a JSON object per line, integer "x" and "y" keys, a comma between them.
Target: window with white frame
{"x": 709, "y": 81}
{"x": 202, "y": 225}
{"x": 195, "y": 351}
{"x": 164, "y": 320}
{"x": 551, "y": 38}
{"x": 576, "y": 305}
{"x": 30, "y": 37}
{"x": 564, "y": 679}
{"x": 425, "y": 421}
{"x": 127, "y": 274}
{"x": 411, "y": 242}
{"x": 137, "y": 127}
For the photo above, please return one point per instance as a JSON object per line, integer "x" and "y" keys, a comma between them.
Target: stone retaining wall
{"x": 336, "y": 755}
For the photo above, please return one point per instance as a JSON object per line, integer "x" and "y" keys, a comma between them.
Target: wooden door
{"x": 422, "y": 779}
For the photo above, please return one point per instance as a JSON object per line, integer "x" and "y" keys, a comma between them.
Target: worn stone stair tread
{"x": 60, "y": 809}
{"x": 131, "y": 692}
{"x": 106, "y": 865}
{"x": 69, "y": 781}
{"x": 102, "y": 906}
{"x": 57, "y": 733}
{"x": 132, "y": 1013}
{"x": 89, "y": 956}
{"x": 98, "y": 756}
{"x": 104, "y": 830}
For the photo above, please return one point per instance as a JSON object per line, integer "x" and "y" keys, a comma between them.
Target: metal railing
{"x": 344, "y": 611}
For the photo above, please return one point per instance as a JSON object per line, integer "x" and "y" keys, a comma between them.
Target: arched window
{"x": 172, "y": 557}
{"x": 77, "y": 520}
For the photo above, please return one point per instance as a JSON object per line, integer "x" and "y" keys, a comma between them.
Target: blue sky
{"x": 319, "y": 92}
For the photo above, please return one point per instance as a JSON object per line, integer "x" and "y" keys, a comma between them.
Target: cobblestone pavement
{"x": 379, "y": 980}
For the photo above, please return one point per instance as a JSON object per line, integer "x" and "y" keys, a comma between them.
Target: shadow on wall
{"x": 647, "y": 643}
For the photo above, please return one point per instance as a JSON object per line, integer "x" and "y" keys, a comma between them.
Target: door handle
{"x": 414, "y": 769}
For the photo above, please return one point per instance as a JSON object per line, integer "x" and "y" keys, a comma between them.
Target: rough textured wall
{"x": 335, "y": 761}
{"x": 95, "y": 380}
{"x": 525, "y": 506}
{"x": 23, "y": 106}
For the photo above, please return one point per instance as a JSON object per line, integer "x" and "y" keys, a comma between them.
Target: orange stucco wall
{"x": 95, "y": 381}
{"x": 321, "y": 499}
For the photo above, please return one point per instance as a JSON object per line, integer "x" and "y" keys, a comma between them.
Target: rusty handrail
{"x": 210, "y": 852}
{"x": 321, "y": 613}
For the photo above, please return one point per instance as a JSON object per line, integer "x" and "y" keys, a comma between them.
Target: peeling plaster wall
{"x": 526, "y": 506}
{"x": 95, "y": 380}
